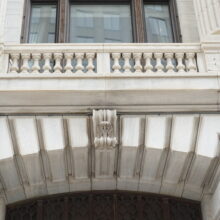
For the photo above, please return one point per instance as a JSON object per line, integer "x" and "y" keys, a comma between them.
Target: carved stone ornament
{"x": 104, "y": 126}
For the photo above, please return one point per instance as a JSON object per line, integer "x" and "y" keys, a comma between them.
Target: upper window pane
{"x": 42, "y": 24}
{"x": 100, "y": 24}
{"x": 158, "y": 23}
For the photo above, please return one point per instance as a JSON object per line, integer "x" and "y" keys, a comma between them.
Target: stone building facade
{"x": 118, "y": 112}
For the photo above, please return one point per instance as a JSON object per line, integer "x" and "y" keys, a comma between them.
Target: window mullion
{"x": 62, "y": 20}
{"x": 139, "y": 27}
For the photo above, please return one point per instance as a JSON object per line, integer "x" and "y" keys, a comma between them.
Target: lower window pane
{"x": 158, "y": 23}
{"x": 100, "y": 24}
{"x": 42, "y": 24}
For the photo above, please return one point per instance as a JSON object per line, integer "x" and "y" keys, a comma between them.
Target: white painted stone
{"x": 6, "y": 148}
{"x": 156, "y": 141}
{"x": 13, "y": 21}
{"x": 78, "y": 128}
{"x": 3, "y": 7}
{"x": 28, "y": 144}
{"x": 53, "y": 133}
{"x": 208, "y": 19}
{"x": 187, "y": 19}
{"x": 131, "y": 125}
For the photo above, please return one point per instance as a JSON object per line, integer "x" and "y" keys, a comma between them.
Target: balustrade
{"x": 114, "y": 59}
{"x": 47, "y": 63}
{"x": 154, "y": 62}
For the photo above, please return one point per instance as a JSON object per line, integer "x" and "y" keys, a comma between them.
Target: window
{"x": 158, "y": 23}
{"x": 42, "y": 24}
{"x": 99, "y": 21}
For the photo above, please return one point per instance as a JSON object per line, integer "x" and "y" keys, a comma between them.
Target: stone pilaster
{"x": 208, "y": 19}
{"x": 3, "y": 6}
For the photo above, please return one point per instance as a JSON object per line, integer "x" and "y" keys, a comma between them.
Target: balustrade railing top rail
{"x": 80, "y": 59}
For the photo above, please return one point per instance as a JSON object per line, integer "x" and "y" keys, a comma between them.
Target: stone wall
{"x": 187, "y": 19}
{"x": 13, "y": 21}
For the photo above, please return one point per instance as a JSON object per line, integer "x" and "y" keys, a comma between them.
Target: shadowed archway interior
{"x": 105, "y": 205}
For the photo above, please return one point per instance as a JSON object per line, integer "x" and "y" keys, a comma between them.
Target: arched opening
{"x": 105, "y": 205}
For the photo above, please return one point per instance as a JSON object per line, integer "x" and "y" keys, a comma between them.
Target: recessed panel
{"x": 208, "y": 141}
{"x": 183, "y": 133}
{"x": 26, "y": 134}
{"x": 131, "y": 127}
{"x": 157, "y": 132}
{"x": 6, "y": 148}
{"x": 53, "y": 133}
{"x": 78, "y": 131}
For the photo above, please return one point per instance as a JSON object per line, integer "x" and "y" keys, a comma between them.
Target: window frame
{"x": 27, "y": 17}
{"x": 137, "y": 18}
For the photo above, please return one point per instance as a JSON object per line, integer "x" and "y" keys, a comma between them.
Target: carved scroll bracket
{"x": 104, "y": 127}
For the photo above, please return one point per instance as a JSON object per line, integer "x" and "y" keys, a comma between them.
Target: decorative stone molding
{"x": 104, "y": 127}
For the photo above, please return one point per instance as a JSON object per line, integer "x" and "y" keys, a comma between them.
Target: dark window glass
{"x": 100, "y": 24}
{"x": 158, "y": 23}
{"x": 42, "y": 24}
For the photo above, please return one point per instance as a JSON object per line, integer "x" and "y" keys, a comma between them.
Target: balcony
{"x": 153, "y": 77}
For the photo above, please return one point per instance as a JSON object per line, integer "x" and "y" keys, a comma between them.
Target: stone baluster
{"x": 90, "y": 67}
{"x": 191, "y": 66}
{"x": 47, "y": 57}
{"x": 180, "y": 67}
{"x": 25, "y": 68}
{"x": 127, "y": 65}
{"x": 58, "y": 68}
{"x": 137, "y": 66}
{"x": 148, "y": 66}
{"x": 68, "y": 67}
{"x": 14, "y": 67}
{"x": 116, "y": 66}
{"x": 169, "y": 66}
{"x": 159, "y": 66}
{"x": 79, "y": 59}
{"x": 36, "y": 67}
